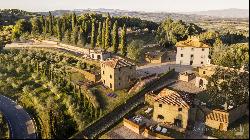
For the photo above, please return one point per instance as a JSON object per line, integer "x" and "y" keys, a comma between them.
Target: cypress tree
{"x": 123, "y": 44}
{"x": 64, "y": 20}
{"x": 46, "y": 30}
{"x": 83, "y": 34}
{"x": 103, "y": 34}
{"x": 59, "y": 29}
{"x": 93, "y": 34}
{"x": 99, "y": 36}
{"x": 50, "y": 23}
{"x": 74, "y": 22}
{"x": 68, "y": 36}
{"x": 107, "y": 33}
{"x": 42, "y": 20}
{"x": 115, "y": 38}
{"x": 75, "y": 35}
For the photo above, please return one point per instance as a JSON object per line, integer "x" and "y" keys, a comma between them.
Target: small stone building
{"x": 221, "y": 119}
{"x": 186, "y": 76}
{"x": 117, "y": 73}
{"x": 172, "y": 108}
{"x": 156, "y": 56}
{"x": 99, "y": 55}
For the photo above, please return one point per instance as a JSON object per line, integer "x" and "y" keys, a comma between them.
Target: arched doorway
{"x": 201, "y": 83}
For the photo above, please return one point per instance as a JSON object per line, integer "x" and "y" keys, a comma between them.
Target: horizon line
{"x": 151, "y": 11}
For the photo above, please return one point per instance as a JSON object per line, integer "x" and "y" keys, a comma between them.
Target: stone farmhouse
{"x": 192, "y": 52}
{"x": 173, "y": 108}
{"x": 117, "y": 73}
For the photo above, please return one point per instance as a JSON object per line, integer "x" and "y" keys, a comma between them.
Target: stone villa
{"x": 192, "y": 52}
{"x": 117, "y": 73}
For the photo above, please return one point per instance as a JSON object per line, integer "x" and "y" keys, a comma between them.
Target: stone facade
{"x": 117, "y": 73}
{"x": 201, "y": 82}
{"x": 99, "y": 55}
{"x": 186, "y": 76}
{"x": 221, "y": 119}
{"x": 156, "y": 57}
{"x": 173, "y": 108}
{"x": 192, "y": 52}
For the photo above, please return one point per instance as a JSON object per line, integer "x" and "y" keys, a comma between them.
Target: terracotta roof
{"x": 192, "y": 42}
{"x": 117, "y": 63}
{"x": 218, "y": 116}
{"x": 171, "y": 97}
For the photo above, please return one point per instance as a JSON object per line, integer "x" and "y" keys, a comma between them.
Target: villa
{"x": 192, "y": 52}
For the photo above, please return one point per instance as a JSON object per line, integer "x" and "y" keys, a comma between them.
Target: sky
{"x": 132, "y": 5}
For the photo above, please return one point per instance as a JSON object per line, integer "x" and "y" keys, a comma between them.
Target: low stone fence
{"x": 133, "y": 126}
{"x": 147, "y": 133}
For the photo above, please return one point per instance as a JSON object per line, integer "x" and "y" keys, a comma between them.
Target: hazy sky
{"x": 138, "y": 5}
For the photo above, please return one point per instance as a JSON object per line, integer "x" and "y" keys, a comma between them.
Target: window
{"x": 201, "y": 62}
{"x": 119, "y": 84}
{"x": 182, "y": 48}
{"x": 110, "y": 76}
{"x": 104, "y": 81}
{"x": 191, "y": 62}
{"x": 181, "y": 55}
{"x": 98, "y": 57}
{"x": 179, "y": 109}
{"x": 192, "y": 49}
{"x": 204, "y": 72}
{"x": 160, "y": 105}
{"x": 110, "y": 85}
{"x": 119, "y": 78}
{"x": 202, "y": 49}
{"x": 102, "y": 72}
{"x": 192, "y": 55}
{"x": 160, "y": 117}
{"x": 92, "y": 55}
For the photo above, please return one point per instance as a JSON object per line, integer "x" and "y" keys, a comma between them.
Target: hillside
{"x": 225, "y": 13}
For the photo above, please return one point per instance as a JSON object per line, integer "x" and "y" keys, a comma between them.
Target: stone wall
{"x": 133, "y": 126}
{"x": 197, "y": 82}
{"x": 147, "y": 133}
{"x": 186, "y": 77}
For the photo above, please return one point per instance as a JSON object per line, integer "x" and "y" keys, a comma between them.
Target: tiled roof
{"x": 171, "y": 97}
{"x": 217, "y": 116}
{"x": 192, "y": 42}
{"x": 117, "y": 63}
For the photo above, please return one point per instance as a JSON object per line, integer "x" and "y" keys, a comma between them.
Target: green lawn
{"x": 109, "y": 103}
{"x": 233, "y": 129}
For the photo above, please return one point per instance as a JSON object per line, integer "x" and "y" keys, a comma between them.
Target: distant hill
{"x": 225, "y": 13}
{"x": 152, "y": 16}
